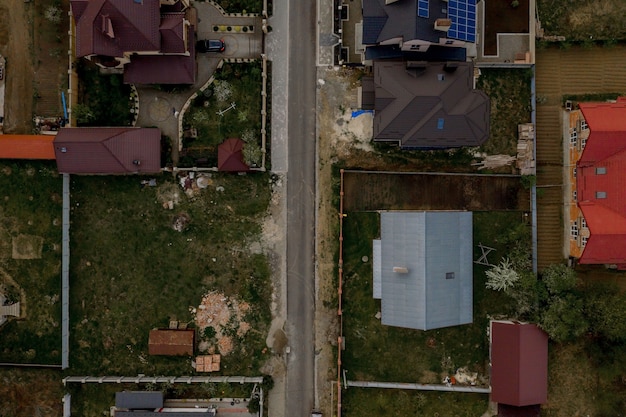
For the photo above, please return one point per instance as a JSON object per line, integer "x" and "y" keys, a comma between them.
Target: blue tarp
{"x": 357, "y": 113}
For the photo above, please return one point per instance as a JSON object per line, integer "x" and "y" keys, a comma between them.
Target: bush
{"x": 559, "y": 278}
{"x": 564, "y": 319}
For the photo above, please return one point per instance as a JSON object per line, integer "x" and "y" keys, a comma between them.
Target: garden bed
{"x": 504, "y": 16}
{"x": 229, "y": 108}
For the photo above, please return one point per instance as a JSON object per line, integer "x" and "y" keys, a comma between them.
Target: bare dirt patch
{"x": 28, "y": 393}
{"x": 27, "y": 247}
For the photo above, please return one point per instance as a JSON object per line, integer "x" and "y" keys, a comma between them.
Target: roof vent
{"x": 450, "y": 66}
{"x": 107, "y": 26}
{"x": 63, "y": 149}
{"x": 441, "y": 77}
{"x": 400, "y": 270}
{"x": 136, "y": 162}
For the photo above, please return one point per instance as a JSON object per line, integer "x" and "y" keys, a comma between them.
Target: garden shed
{"x": 142, "y": 400}
{"x": 424, "y": 269}
{"x": 171, "y": 342}
{"x": 230, "y": 156}
{"x": 519, "y": 364}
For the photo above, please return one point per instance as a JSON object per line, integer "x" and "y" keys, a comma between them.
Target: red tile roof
{"x": 602, "y": 196}
{"x": 112, "y": 27}
{"x": 230, "y": 156}
{"x": 26, "y": 147}
{"x": 171, "y": 342}
{"x": 519, "y": 364}
{"x": 163, "y": 69}
{"x": 108, "y": 150}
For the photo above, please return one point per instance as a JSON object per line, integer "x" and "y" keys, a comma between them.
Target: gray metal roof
{"x": 435, "y": 247}
{"x": 139, "y": 399}
{"x": 430, "y": 105}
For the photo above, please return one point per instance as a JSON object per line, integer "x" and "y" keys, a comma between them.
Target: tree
{"x": 606, "y": 311}
{"x": 559, "y": 278}
{"x": 501, "y": 277}
{"x": 83, "y": 114}
{"x": 564, "y": 318}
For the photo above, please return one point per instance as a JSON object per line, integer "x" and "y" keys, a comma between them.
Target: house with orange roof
{"x": 597, "y": 232}
{"x": 26, "y": 147}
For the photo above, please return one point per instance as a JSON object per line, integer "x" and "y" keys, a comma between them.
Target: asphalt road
{"x": 301, "y": 208}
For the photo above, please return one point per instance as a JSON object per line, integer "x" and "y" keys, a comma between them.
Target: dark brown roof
{"x": 428, "y": 105}
{"x": 230, "y": 156}
{"x": 112, "y": 27}
{"x": 519, "y": 364}
{"x": 163, "y": 69}
{"x": 108, "y": 150}
{"x": 171, "y": 342}
{"x": 172, "y": 33}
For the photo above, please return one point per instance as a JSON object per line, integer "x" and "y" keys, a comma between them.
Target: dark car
{"x": 210, "y": 45}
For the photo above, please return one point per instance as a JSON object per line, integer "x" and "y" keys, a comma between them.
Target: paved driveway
{"x": 158, "y": 108}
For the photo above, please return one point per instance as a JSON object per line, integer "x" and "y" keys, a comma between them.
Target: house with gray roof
{"x": 415, "y": 25}
{"x": 426, "y": 105}
{"x": 423, "y": 269}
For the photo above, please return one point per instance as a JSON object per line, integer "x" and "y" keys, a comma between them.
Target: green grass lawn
{"x": 234, "y": 83}
{"x": 30, "y": 205}
{"x": 239, "y": 6}
{"x": 131, "y": 271}
{"x": 509, "y": 92}
{"x": 385, "y": 353}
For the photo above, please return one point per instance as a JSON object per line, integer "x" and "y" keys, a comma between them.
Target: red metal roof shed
{"x": 108, "y": 150}
{"x": 230, "y": 156}
{"x": 171, "y": 342}
{"x": 519, "y": 364}
{"x": 600, "y": 173}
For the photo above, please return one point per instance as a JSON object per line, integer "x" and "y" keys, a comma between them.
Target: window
{"x": 449, "y": 275}
{"x": 600, "y": 170}
{"x": 574, "y": 230}
{"x": 600, "y": 194}
{"x": 415, "y": 47}
{"x": 574, "y": 171}
{"x": 584, "y": 125}
{"x": 573, "y": 137}
{"x": 583, "y": 142}
{"x": 440, "y": 122}
{"x": 574, "y": 195}
{"x": 583, "y": 223}
{"x": 583, "y": 241}
{"x": 449, "y": 42}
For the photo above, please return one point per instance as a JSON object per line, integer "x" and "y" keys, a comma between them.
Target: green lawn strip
{"x": 131, "y": 271}
{"x": 509, "y": 92}
{"x": 402, "y": 403}
{"x": 241, "y": 6}
{"x": 234, "y": 83}
{"x": 30, "y": 204}
{"x": 386, "y": 353}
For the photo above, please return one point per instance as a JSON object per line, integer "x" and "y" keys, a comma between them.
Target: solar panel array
{"x": 422, "y": 8}
{"x": 462, "y": 13}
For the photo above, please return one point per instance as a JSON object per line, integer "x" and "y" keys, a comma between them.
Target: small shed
{"x": 171, "y": 342}
{"x": 230, "y": 156}
{"x": 519, "y": 364}
{"x": 139, "y": 400}
{"x": 424, "y": 269}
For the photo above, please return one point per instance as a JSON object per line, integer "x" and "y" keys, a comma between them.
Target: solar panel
{"x": 422, "y": 8}
{"x": 462, "y": 13}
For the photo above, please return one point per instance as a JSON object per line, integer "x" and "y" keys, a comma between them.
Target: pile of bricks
{"x": 208, "y": 363}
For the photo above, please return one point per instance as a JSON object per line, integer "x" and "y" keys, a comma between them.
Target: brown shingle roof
{"x": 134, "y": 26}
{"x": 108, "y": 150}
{"x": 430, "y": 106}
{"x": 171, "y": 342}
{"x": 172, "y": 33}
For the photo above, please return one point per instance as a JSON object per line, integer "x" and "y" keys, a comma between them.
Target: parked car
{"x": 210, "y": 45}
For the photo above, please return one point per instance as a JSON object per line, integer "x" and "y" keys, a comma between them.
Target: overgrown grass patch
{"x": 213, "y": 116}
{"x": 509, "y": 92}
{"x": 133, "y": 272}
{"x": 31, "y": 206}
{"x": 385, "y": 353}
{"x": 402, "y": 403}
{"x": 578, "y": 21}
{"x": 241, "y": 6}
